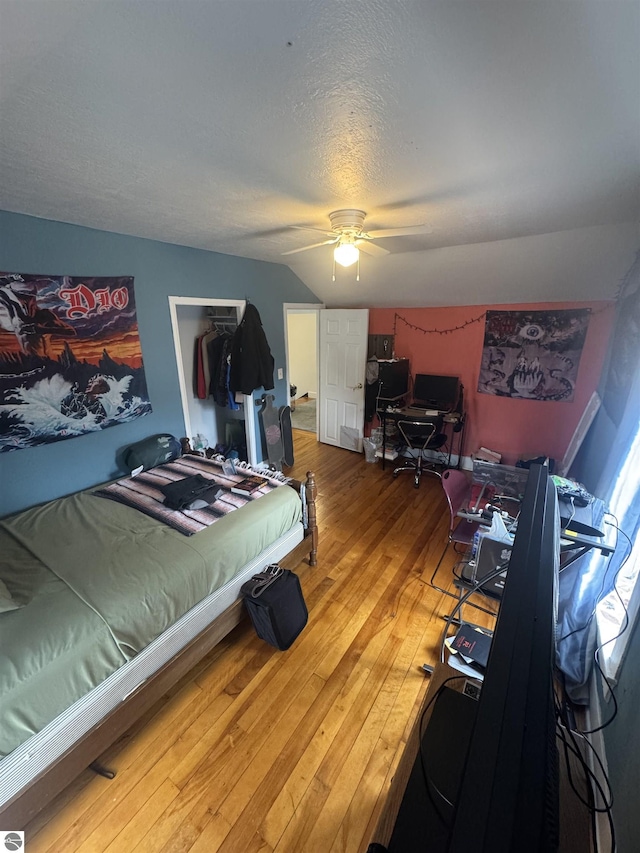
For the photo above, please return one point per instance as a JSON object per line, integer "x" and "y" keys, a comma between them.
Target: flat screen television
{"x": 436, "y": 392}
{"x": 487, "y": 780}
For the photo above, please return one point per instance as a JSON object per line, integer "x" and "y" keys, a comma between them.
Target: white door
{"x": 343, "y": 359}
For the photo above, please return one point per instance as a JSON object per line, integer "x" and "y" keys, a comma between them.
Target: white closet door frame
{"x": 249, "y": 408}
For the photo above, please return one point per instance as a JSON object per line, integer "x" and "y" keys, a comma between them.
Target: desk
{"x": 577, "y": 528}
{"x": 491, "y": 479}
{"x": 408, "y": 413}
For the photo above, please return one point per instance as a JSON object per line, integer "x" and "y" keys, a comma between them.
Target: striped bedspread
{"x": 143, "y": 491}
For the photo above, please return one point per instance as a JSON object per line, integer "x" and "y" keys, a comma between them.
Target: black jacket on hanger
{"x": 251, "y": 359}
{"x": 218, "y": 350}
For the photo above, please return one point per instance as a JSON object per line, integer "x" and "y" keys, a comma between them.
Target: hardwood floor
{"x": 290, "y": 752}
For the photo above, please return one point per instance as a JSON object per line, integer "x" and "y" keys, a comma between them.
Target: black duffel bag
{"x": 276, "y": 606}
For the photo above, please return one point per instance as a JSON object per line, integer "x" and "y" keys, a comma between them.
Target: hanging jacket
{"x": 251, "y": 359}
{"x": 218, "y": 350}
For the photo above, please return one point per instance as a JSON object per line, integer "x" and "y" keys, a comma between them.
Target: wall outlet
{"x": 280, "y": 373}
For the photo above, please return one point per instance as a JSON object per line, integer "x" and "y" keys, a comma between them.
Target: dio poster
{"x": 70, "y": 357}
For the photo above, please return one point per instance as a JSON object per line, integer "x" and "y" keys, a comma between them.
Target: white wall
{"x": 302, "y": 343}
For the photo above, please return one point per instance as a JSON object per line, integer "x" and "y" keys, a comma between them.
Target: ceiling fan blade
{"x": 306, "y": 248}
{"x": 371, "y": 248}
{"x": 400, "y": 232}
{"x": 311, "y": 228}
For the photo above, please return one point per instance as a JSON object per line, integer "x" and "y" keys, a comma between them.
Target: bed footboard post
{"x": 312, "y": 529}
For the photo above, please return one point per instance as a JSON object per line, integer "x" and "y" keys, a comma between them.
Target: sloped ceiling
{"x": 511, "y": 130}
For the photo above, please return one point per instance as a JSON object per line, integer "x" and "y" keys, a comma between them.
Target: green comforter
{"x": 99, "y": 581}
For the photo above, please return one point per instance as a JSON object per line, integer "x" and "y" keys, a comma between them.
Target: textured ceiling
{"x": 511, "y": 130}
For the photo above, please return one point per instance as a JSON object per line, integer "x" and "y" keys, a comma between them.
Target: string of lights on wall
{"x": 470, "y": 322}
{"x": 417, "y": 328}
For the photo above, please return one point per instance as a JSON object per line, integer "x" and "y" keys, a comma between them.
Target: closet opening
{"x": 202, "y": 331}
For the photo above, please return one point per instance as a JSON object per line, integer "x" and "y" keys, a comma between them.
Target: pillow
{"x": 6, "y": 602}
{"x": 152, "y": 451}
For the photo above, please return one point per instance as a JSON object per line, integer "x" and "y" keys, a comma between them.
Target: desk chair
{"x": 420, "y": 435}
{"x": 457, "y": 490}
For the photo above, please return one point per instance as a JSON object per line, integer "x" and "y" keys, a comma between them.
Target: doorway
{"x": 301, "y": 345}
{"x": 334, "y": 348}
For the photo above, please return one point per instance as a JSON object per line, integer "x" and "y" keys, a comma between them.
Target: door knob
{"x": 356, "y": 387}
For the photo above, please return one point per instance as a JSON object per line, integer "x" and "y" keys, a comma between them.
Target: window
{"x": 611, "y": 612}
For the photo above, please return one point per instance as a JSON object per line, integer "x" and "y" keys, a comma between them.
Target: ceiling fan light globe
{"x": 346, "y": 254}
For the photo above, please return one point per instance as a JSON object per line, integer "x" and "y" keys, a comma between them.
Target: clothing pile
{"x": 192, "y": 492}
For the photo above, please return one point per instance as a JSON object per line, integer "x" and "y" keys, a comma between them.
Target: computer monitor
{"x": 436, "y": 392}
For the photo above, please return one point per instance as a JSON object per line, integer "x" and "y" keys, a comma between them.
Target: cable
{"x": 617, "y": 592}
{"x": 613, "y": 699}
{"x": 593, "y": 782}
{"x": 606, "y": 796}
{"x": 602, "y": 796}
{"x": 602, "y": 586}
{"x": 625, "y": 626}
{"x": 476, "y": 588}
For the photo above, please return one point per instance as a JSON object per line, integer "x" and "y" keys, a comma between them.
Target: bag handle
{"x": 264, "y": 580}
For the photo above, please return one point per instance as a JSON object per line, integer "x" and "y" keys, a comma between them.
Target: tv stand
{"x": 402, "y": 783}
{"x": 574, "y": 820}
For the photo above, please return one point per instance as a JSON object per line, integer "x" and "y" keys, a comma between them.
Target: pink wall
{"x": 519, "y": 429}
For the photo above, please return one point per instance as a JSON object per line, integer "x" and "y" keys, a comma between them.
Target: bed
{"x": 105, "y": 607}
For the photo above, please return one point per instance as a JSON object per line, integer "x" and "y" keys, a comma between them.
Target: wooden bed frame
{"x": 18, "y": 811}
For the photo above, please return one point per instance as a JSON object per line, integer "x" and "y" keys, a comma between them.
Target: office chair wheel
{"x": 416, "y": 482}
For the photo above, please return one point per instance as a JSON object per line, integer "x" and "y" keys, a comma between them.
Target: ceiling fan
{"x": 349, "y": 238}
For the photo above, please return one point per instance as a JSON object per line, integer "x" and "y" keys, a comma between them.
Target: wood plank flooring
{"x": 286, "y": 752}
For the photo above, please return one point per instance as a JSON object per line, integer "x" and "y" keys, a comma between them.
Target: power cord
{"x": 451, "y": 618}
{"x": 568, "y": 734}
{"x": 602, "y": 586}
{"x": 602, "y": 797}
{"x": 625, "y": 626}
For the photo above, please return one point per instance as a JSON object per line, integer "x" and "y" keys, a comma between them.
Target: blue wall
{"x": 160, "y": 270}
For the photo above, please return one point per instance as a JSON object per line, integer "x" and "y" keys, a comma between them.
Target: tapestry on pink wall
{"x": 532, "y": 355}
